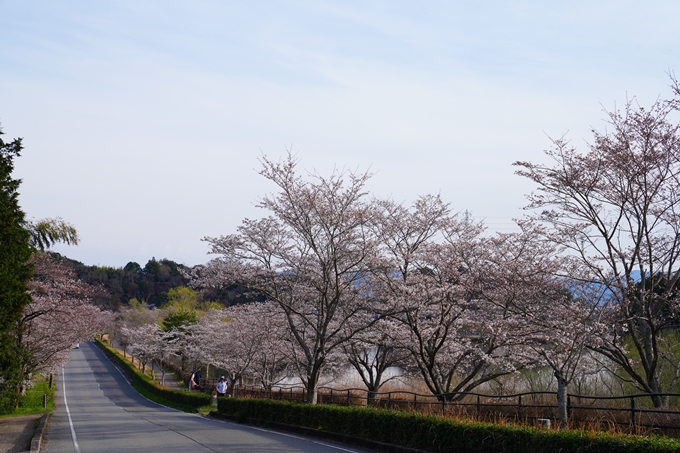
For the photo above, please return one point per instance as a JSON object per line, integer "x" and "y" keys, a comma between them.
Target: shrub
{"x": 437, "y": 434}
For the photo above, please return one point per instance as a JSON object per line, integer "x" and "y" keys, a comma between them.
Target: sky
{"x": 143, "y": 121}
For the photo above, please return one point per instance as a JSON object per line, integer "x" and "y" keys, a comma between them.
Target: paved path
{"x": 98, "y": 411}
{"x": 16, "y": 433}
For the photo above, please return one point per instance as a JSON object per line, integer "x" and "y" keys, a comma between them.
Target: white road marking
{"x": 295, "y": 437}
{"x": 334, "y": 446}
{"x": 68, "y": 412}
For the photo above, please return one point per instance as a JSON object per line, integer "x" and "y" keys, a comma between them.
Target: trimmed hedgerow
{"x": 437, "y": 434}
{"x": 180, "y": 398}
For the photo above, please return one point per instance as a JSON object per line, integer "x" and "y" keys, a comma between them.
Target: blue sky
{"x": 143, "y": 120}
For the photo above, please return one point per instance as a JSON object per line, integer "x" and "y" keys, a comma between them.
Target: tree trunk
{"x": 651, "y": 355}
{"x": 162, "y": 372}
{"x": 312, "y": 393}
{"x": 372, "y": 397}
{"x": 312, "y": 382}
{"x": 231, "y": 388}
{"x": 562, "y": 409}
{"x": 659, "y": 401}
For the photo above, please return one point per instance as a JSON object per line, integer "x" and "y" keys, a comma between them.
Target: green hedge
{"x": 438, "y": 434}
{"x": 181, "y": 398}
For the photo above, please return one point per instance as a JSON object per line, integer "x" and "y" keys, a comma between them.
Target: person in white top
{"x": 222, "y": 386}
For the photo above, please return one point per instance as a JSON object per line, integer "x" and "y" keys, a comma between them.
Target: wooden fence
{"x": 631, "y": 413}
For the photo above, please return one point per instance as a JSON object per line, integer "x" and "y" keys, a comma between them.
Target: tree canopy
{"x": 616, "y": 207}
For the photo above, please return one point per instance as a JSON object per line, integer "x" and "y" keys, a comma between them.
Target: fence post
{"x": 479, "y": 412}
{"x": 331, "y": 395}
{"x": 415, "y": 401}
{"x": 349, "y": 402}
{"x": 443, "y": 403}
{"x": 519, "y": 407}
{"x": 632, "y": 410}
{"x": 568, "y": 406}
{"x": 291, "y": 395}
{"x": 389, "y": 400}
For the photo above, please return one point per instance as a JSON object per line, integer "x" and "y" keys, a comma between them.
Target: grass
{"x": 205, "y": 410}
{"x": 32, "y": 403}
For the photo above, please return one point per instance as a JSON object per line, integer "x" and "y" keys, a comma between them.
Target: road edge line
{"x": 76, "y": 445}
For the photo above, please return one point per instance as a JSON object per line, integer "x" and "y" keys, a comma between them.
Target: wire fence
{"x": 631, "y": 413}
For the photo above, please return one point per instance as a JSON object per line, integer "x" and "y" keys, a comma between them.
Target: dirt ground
{"x": 16, "y": 433}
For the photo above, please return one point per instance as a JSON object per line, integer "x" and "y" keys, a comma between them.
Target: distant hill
{"x": 148, "y": 284}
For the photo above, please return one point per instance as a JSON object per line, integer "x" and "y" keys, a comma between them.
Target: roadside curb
{"x": 327, "y": 435}
{"x": 36, "y": 442}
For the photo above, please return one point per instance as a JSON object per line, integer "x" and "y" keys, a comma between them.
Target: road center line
{"x": 68, "y": 412}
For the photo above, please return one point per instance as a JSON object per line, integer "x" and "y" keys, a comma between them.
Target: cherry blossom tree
{"x": 131, "y": 318}
{"x": 167, "y": 343}
{"x": 59, "y": 315}
{"x": 272, "y": 361}
{"x": 149, "y": 343}
{"x": 310, "y": 256}
{"x": 229, "y": 339}
{"x": 145, "y": 342}
{"x": 557, "y": 318}
{"x": 457, "y": 340}
{"x": 615, "y": 208}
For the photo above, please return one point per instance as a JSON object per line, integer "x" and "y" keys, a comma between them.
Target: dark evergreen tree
{"x": 15, "y": 272}
{"x": 148, "y": 284}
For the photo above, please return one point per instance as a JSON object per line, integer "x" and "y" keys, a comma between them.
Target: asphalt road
{"x": 99, "y": 411}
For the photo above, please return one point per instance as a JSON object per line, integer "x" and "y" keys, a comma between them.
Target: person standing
{"x": 222, "y": 386}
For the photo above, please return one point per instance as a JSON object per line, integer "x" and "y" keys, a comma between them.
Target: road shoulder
{"x": 16, "y": 432}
